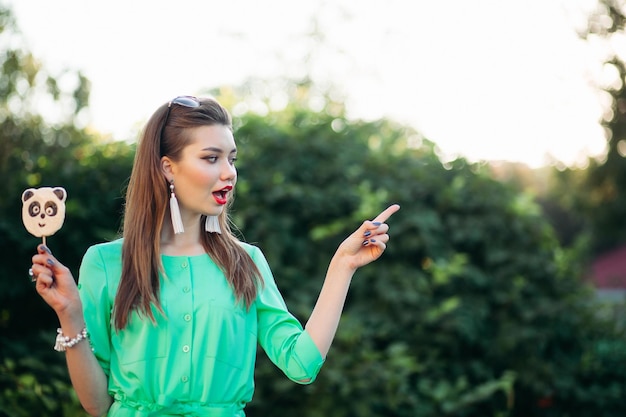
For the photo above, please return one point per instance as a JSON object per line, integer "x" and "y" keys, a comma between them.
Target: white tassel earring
{"x": 212, "y": 225}
{"x": 177, "y": 221}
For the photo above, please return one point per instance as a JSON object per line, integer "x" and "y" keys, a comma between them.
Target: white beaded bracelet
{"x": 64, "y": 342}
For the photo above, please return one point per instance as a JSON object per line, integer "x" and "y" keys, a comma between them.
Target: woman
{"x": 175, "y": 309}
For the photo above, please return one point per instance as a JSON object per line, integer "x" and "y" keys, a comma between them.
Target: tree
{"x": 35, "y": 152}
{"x": 474, "y": 309}
{"x": 606, "y": 185}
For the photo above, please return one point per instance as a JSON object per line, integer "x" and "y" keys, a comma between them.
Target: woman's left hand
{"x": 368, "y": 242}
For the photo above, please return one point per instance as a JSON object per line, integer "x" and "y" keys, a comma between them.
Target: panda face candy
{"x": 43, "y": 210}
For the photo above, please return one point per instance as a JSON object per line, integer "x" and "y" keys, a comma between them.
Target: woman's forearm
{"x": 88, "y": 378}
{"x": 324, "y": 320}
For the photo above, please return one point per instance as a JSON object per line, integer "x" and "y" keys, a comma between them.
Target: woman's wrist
{"x": 340, "y": 266}
{"x": 64, "y": 342}
{"x": 71, "y": 319}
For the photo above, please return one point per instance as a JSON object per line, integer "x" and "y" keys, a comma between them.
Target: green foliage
{"x": 34, "y": 381}
{"x": 474, "y": 309}
{"x": 35, "y": 152}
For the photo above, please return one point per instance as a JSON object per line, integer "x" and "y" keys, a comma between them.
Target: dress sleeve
{"x": 93, "y": 290}
{"x": 280, "y": 334}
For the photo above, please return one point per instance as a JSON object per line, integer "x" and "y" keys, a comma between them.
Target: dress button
{"x": 187, "y": 317}
{"x": 185, "y": 379}
{"x": 186, "y": 289}
{"x": 184, "y": 264}
{"x": 186, "y": 348}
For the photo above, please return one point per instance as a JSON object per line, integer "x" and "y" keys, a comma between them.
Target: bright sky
{"x": 486, "y": 79}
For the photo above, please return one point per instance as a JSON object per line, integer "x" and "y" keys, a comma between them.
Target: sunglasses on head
{"x": 186, "y": 101}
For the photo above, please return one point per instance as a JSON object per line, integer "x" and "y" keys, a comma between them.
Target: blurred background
{"x": 499, "y": 127}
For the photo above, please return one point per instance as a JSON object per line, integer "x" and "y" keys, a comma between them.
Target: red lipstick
{"x": 220, "y": 195}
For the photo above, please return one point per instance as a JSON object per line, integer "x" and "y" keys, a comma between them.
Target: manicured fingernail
{"x": 50, "y": 262}
{"x": 376, "y": 223}
{"x": 367, "y": 233}
{"x": 45, "y": 248}
{"x": 373, "y": 240}
{"x": 366, "y": 242}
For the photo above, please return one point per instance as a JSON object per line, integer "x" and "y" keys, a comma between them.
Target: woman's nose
{"x": 229, "y": 171}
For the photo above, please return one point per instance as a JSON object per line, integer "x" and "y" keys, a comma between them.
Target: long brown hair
{"x": 147, "y": 200}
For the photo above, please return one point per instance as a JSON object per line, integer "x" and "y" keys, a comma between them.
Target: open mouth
{"x": 220, "y": 196}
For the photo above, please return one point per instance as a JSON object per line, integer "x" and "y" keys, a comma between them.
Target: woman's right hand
{"x": 55, "y": 283}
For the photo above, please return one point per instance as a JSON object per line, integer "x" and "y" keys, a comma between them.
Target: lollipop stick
{"x": 44, "y": 240}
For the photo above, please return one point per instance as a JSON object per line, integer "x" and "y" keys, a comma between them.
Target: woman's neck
{"x": 187, "y": 243}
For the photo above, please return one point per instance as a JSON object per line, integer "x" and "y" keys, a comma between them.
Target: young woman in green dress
{"x": 166, "y": 320}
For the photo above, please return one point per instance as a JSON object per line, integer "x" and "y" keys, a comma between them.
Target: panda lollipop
{"x": 43, "y": 210}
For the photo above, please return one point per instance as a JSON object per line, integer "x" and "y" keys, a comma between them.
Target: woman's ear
{"x": 166, "y": 167}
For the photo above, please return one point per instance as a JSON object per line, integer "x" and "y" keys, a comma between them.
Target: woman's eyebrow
{"x": 218, "y": 150}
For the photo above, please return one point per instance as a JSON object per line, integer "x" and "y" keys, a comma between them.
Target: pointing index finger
{"x": 385, "y": 214}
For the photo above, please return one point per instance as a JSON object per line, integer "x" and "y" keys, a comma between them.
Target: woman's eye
{"x": 211, "y": 159}
{"x": 233, "y": 160}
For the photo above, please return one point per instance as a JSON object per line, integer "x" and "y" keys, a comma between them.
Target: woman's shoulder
{"x": 101, "y": 265}
{"x": 107, "y": 249}
{"x": 257, "y": 256}
{"x": 250, "y": 249}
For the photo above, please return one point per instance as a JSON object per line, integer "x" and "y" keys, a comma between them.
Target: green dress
{"x": 198, "y": 358}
